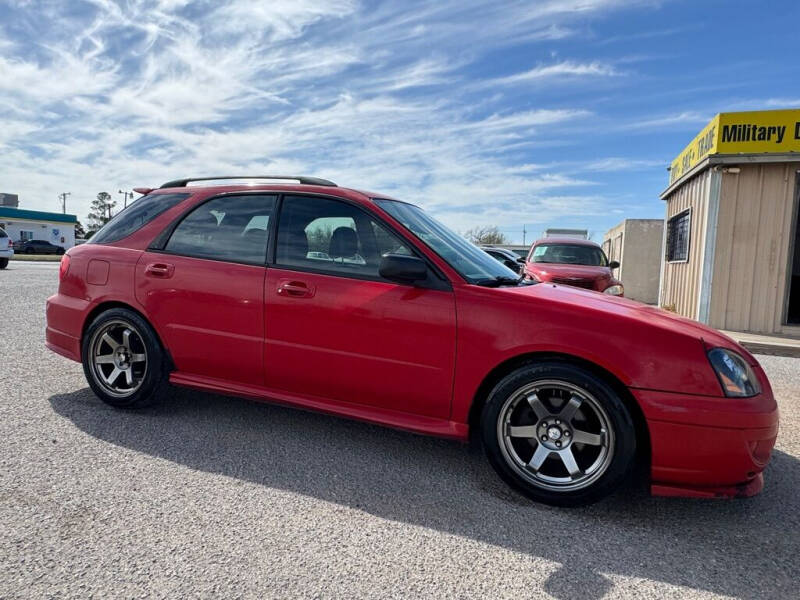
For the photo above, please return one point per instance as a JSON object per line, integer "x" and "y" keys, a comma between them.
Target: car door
{"x": 336, "y": 330}
{"x": 204, "y": 290}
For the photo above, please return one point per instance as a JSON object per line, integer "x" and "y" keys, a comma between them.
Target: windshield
{"x": 570, "y": 254}
{"x": 472, "y": 263}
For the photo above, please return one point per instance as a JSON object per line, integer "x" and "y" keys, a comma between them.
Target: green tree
{"x": 101, "y": 211}
{"x": 80, "y": 230}
{"x": 486, "y": 236}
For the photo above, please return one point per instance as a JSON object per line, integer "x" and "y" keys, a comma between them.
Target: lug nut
{"x": 558, "y": 422}
{"x": 566, "y": 434}
{"x": 558, "y": 444}
{"x": 544, "y": 438}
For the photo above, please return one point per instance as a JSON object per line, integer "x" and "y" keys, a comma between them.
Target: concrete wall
{"x": 752, "y": 254}
{"x": 636, "y": 245}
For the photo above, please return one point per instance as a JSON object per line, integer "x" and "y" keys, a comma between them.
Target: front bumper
{"x": 708, "y": 447}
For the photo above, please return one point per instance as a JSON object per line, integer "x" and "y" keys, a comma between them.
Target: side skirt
{"x": 370, "y": 414}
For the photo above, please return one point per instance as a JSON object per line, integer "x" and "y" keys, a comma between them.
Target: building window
{"x": 25, "y": 235}
{"x": 678, "y": 228}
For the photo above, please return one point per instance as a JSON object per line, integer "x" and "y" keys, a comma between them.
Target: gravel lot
{"x": 213, "y": 496}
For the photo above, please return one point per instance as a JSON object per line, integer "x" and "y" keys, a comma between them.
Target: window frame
{"x": 159, "y": 243}
{"x": 436, "y": 280}
{"x": 688, "y": 213}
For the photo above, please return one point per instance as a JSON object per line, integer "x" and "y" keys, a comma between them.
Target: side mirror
{"x": 402, "y": 268}
{"x": 613, "y": 265}
{"x": 521, "y": 260}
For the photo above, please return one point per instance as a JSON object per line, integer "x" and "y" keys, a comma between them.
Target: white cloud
{"x": 139, "y": 92}
{"x": 661, "y": 122}
{"x": 560, "y": 70}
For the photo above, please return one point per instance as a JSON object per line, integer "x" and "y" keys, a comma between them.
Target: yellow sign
{"x": 760, "y": 132}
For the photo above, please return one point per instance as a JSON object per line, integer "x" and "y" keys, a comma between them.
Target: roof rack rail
{"x": 299, "y": 178}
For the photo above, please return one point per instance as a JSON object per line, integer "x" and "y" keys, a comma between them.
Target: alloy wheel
{"x": 556, "y": 435}
{"x": 118, "y": 358}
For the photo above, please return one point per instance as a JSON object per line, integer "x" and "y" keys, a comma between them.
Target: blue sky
{"x": 539, "y": 113}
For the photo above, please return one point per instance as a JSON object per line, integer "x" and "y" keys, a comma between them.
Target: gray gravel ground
{"x": 210, "y": 496}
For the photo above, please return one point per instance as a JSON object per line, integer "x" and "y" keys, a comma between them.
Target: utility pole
{"x": 524, "y": 232}
{"x": 63, "y": 198}
{"x": 126, "y": 195}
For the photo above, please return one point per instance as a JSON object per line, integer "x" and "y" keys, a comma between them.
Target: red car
{"x": 576, "y": 262}
{"x": 363, "y": 306}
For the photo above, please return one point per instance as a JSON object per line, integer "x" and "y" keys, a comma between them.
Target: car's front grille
{"x": 581, "y": 283}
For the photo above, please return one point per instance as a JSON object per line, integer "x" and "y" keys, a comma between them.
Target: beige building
{"x": 732, "y": 240}
{"x": 636, "y": 245}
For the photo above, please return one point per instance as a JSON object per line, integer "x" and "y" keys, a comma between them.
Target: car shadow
{"x": 449, "y": 487}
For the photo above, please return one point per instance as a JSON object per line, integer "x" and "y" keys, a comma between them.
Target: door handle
{"x": 294, "y": 289}
{"x": 160, "y": 270}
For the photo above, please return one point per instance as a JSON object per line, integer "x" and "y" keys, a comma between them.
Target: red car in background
{"x": 359, "y": 305}
{"x": 575, "y": 262}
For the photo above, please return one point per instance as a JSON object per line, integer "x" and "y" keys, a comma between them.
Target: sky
{"x": 520, "y": 114}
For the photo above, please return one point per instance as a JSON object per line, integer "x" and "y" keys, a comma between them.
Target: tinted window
{"x": 328, "y": 235}
{"x": 230, "y": 228}
{"x": 3, "y": 233}
{"x": 137, "y": 215}
{"x": 569, "y": 254}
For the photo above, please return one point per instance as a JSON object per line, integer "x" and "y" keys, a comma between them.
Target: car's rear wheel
{"x": 3, "y": 263}
{"x": 559, "y": 433}
{"x": 59, "y": 251}
{"x": 123, "y": 360}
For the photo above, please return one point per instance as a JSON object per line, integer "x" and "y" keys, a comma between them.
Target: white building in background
{"x": 581, "y": 234}
{"x": 21, "y": 225}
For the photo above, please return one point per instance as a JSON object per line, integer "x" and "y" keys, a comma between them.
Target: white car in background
{"x": 6, "y": 249}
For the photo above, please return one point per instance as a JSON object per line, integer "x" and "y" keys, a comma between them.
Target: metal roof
{"x": 22, "y": 214}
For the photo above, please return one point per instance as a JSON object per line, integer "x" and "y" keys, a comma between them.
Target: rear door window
{"x": 229, "y": 228}
{"x": 136, "y": 216}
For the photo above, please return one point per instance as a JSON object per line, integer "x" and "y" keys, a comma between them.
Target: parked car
{"x": 37, "y": 247}
{"x": 575, "y": 262}
{"x": 6, "y": 249}
{"x": 506, "y": 257}
{"x": 566, "y": 388}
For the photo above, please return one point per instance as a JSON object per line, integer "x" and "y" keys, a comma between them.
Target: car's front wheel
{"x": 559, "y": 433}
{"x": 123, "y": 360}
{"x": 3, "y": 263}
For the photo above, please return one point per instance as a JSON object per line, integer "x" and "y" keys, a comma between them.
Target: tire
{"x": 60, "y": 251}
{"x": 3, "y": 263}
{"x": 540, "y": 415}
{"x": 138, "y": 356}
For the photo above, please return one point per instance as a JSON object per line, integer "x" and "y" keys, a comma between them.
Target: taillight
{"x": 62, "y": 271}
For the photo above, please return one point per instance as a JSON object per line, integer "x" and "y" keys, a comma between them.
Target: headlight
{"x": 614, "y": 290}
{"x": 734, "y": 374}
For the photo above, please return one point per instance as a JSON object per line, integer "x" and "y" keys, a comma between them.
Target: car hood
{"x": 641, "y": 315}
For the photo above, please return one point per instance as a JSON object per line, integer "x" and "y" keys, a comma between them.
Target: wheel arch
{"x": 511, "y": 364}
{"x": 108, "y": 305}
